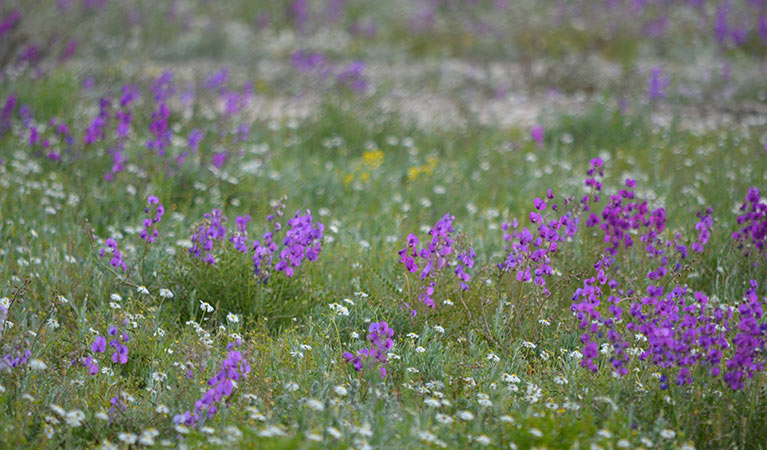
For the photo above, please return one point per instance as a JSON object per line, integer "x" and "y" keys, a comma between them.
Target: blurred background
{"x": 439, "y": 62}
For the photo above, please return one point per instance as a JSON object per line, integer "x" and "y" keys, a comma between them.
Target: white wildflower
{"x": 37, "y": 364}
{"x": 74, "y": 418}
{"x": 128, "y": 438}
{"x": 314, "y": 437}
{"x": 340, "y": 390}
{"x": 667, "y": 434}
{"x": 513, "y": 378}
{"x": 315, "y": 404}
{"x": 465, "y": 415}
{"x": 483, "y": 439}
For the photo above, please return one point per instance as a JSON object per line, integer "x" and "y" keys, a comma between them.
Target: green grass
{"x": 372, "y": 177}
{"x": 474, "y": 167}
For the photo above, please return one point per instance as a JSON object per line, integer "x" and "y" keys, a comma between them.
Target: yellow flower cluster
{"x": 427, "y": 169}
{"x": 371, "y": 160}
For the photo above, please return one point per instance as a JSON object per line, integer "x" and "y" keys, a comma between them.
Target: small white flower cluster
{"x": 339, "y": 309}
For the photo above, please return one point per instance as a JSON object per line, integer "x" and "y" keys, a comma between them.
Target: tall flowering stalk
{"x": 116, "y": 259}
{"x": 149, "y": 232}
{"x": 97, "y": 129}
{"x": 529, "y": 250}
{"x": 212, "y": 229}
{"x": 303, "y": 241}
{"x": 239, "y": 236}
{"x": 380, "y": 337}
{"x": 437, "y": 253}
{"x": 160, "y": 130}
{"x": 233, "y": 368}
{"x": 7, "y": 112}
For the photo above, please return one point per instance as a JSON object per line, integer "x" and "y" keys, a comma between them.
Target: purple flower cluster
{"x": 528, "y": 253}
{"x": 658, "y": 84}
{"x": 41, "y": 141}
{"x": 703, "y": 227}
{"x": 749, "y": 341}
{"x": 99, "y": 345}
{"x": 682, "y": 330}
{"x": 430, "y": 260}
{"x": 162, "y": 87}
{"x": 18, "y": 356}
{"x": 264, "y": 249}
{"x": 310, "y": 62}
{"x": 160, "y": 130}
{"x": 97, "y": 129}
{"x": 195, "y": 137}
{"x": 240, "y": 235}
{"x": 5, "y": 115}
{"x": 752, "y": 235}
{"x": 595, "y": 174}
{"x": 302, "y": 241}
{"x": 233, "y": 368}
{"x": 218, "y": 80}
{"x": 353, "y": 77}
{"x": 124, "y": 118}
{"x": 380, "y": 337}
{"x": 212, "y": 229}
{"x": 537, "y": 134}
{"x": 9, "y": 21}
{"x": 149, "y": 233}
{"x": 110, "y": 248}
{"x": 622, "y": 217}
{"x": 120, "y": 354}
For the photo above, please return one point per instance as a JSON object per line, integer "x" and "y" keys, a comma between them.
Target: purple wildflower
{"x": 380, "y": 337}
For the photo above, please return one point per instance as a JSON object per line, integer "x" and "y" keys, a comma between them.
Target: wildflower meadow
{"x": 294, "y": 224}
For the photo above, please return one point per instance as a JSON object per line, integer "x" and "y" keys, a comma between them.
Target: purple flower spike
{"x": 380, "y": 336}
